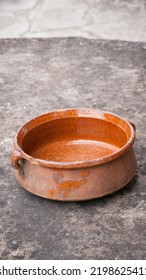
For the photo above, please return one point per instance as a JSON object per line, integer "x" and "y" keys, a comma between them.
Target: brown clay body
{"x": 75, "y": 154}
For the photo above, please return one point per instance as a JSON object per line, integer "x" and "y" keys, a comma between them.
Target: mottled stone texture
{"x": 39, "y": 75}
{"x": 104, "y": 19}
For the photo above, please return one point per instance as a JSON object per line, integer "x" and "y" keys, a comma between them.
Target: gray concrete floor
{"x": 99, "y": 19}
{"x": 39, "y": 75}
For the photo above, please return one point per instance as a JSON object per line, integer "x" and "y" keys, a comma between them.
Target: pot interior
{"x": 71, "y": 139}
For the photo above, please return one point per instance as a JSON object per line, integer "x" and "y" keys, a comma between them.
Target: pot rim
{"x": 78, "y": 112}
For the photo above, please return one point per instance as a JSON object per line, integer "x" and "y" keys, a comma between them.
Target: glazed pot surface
{"x": 67, "y": 154}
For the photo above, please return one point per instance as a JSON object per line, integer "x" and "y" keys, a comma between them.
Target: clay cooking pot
{"x": 74, "y": 154}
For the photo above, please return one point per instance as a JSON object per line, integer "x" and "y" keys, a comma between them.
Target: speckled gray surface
{"x": 38, "y": 75}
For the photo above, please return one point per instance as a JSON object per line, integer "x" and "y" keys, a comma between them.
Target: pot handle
{"x": 133, "y": 125}
{"x": 15, "y": 157}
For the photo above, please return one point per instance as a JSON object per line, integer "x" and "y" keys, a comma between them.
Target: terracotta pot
{"x": 74, "y": 154}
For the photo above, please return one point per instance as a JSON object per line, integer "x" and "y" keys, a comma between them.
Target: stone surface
{"x": 12, "y": 26}
{"x": 114, "y": 19}
{"x": 38, "y": 75}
